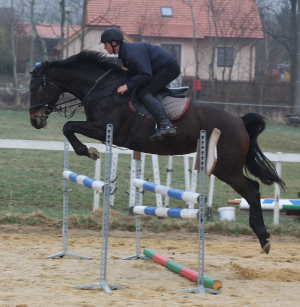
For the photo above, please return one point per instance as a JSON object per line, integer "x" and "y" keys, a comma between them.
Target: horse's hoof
{"x": 94, "y": 154}
{"x": 267, "y": 248}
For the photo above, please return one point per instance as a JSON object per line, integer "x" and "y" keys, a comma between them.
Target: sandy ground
{"x": 249, "y": 277}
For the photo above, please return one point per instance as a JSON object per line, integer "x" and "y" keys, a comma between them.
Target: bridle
{"x": 45, "y": 104}
{"x": 58, "y": 107}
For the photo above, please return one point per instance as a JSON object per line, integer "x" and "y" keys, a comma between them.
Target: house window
{"x": 225, "y": 56}
{"x": 166, "y": 11}
{"x": 175, "y": 49}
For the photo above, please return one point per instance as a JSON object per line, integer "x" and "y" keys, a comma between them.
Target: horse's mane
{"x": 89, "y": 57}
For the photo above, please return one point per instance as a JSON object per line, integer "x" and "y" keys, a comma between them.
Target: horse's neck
{"x": 77, "y": 84}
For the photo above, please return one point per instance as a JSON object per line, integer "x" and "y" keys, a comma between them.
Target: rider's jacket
{"x": 143, "y": 60}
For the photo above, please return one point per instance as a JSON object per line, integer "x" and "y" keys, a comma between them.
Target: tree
{"x": 62, "y": 24}
{"x": 235, "y": 32}
{"x": 83, "y": 22}
{"x": 190, "y": 3}
{"x": 16, "y": 83}
{"x": 35, "y": 32}
{"x": 213, "y": 40}
{"x": 280, "y": 23}
{"x": 81, "y": 12}
{"x": 81, "y": 15}
{"x": 36, "y": 13}
{"x": 6, "y": 61}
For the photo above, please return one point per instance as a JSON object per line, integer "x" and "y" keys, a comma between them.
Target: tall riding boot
{"x": 166, "y": 128}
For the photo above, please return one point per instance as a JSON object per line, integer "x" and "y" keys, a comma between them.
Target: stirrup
{"x": 167, "y": 131}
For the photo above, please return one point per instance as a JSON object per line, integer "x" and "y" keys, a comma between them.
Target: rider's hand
{"x": 122, "y": 89}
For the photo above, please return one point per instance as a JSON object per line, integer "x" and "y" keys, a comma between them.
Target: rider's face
{"x": 108, "y": 48}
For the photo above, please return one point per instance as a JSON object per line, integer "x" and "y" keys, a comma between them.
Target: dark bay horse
{"x": 237, "y": 147}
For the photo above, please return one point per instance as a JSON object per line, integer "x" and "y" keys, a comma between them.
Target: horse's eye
{"x": 35, "y": 89}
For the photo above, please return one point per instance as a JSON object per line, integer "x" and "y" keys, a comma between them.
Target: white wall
{"x": 241, "y": 66}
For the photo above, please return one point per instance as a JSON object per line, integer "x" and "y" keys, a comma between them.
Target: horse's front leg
{"x": 90, "y": 129}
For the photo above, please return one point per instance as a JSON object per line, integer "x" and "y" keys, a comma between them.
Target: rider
{"x": 152, "y": 68}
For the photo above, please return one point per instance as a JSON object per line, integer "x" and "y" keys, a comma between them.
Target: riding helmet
{"x": 112, "y": 34}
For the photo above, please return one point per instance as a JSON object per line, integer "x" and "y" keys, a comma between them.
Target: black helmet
{"x": 112, "y": 34}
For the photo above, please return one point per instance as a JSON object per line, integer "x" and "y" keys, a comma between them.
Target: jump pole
{"x": 166, "y": 212}
{"x": 105, "y": 221}
{"x": 182, "y": 270}
{"x": 66, "y": 191}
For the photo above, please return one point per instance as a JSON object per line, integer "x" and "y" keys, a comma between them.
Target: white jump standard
{"x": 66, "y": 191}
{"x": 105, "y": 220}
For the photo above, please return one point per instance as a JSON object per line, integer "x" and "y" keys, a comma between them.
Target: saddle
{"x": 173, "y": 100}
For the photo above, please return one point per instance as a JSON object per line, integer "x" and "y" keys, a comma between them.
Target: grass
{"x": 31, "y": 181}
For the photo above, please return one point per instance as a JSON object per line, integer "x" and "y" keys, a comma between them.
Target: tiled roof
{"x": 234, "y": 18}
{"x": 51, "y": 31}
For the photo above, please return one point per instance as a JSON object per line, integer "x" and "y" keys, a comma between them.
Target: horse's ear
{"x": 43, "y": 68}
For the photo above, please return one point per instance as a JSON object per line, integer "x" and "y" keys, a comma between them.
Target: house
{"x": 223, "y": 33}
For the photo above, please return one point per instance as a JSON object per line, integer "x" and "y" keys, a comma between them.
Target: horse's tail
{"x": 256, "y": 162}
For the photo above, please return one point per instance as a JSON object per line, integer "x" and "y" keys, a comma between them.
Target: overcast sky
{"x": 4, "y": 3}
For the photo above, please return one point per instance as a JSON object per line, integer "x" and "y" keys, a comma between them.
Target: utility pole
{"x": 297, "y": 64}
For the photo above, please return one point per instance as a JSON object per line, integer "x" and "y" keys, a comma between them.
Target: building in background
{"x": 229, "y": 28}
{"x": 223, "y": 35}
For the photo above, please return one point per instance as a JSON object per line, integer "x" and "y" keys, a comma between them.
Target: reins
{"x": 95, "y": 84}
{"x": 58, "y": 107}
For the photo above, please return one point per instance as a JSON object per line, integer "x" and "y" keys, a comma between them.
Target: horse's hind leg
{"x": 255, "y": 184}
{"x": 249, "y": 189}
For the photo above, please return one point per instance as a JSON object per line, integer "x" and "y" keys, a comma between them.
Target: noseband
{"x": 57, "y": 108}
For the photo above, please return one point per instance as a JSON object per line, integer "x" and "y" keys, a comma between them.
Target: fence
{"x": 274, "y": 93}
{"x": 42, "y": 145}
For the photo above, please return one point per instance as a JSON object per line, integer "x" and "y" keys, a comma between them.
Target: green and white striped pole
{"x": 182, "y": 270}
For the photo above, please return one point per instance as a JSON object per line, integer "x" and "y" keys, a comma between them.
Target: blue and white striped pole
{"x": 84, "y": 180}
{"x": 166, "y": 191}
{"x": 167, "y": 212}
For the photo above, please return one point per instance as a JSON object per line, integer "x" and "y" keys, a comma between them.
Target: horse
{"x": 237, "y": 148}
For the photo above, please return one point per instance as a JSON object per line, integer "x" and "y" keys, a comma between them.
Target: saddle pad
{"x": 174, "y": 106}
